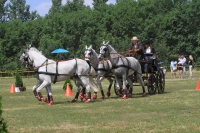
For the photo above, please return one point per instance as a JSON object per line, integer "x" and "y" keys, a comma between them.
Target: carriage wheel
{"x": 160, "y": 81}
{"x": 151, "y": 85}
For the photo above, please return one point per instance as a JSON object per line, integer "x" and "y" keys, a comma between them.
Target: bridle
{"x": 90, "y": 53}
{"x": 106, "y": 50}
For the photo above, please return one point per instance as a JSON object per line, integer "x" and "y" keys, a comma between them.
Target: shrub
{"x": 65, "y": 84}
{"x": 18, "y": 80}
{"x": 3, "y": 126}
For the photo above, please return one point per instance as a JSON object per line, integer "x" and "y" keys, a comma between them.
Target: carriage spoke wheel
{"x": 151, "y": 85}
{"x": 160, "y": 81}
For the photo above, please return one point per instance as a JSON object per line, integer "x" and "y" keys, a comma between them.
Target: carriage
{"x": 155, "y": 83}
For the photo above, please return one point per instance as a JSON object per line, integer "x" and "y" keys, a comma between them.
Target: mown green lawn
{"x": 177, "y": 110}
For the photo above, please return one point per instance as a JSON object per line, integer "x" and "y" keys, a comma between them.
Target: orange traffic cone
{"x": 198, "y": 85}
{"x": 68, "y": 91}
{"x": 12, "y": 89}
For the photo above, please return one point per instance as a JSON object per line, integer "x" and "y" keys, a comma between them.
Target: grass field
{"x": 177, "y": 110}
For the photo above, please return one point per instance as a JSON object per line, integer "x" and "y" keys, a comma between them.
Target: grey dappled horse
{"x": 123, "y": 67}
{"x": 49, "y": 71}
{"x": 103, "y": 68}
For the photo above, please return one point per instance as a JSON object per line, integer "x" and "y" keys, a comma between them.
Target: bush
{"x": 18, "y": 81}
{"x": 65, "y": 84}
{"x": 3, "y": 125}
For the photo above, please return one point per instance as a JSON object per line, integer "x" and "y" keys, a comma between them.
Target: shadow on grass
{"x": 138, "y": 95}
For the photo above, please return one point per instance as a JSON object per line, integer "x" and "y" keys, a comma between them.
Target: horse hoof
{"x": 124, "y": 97}
{"x": 50, "y": 103}
{"x": 103, "y": 97}
{"x": 81, "y": 96}
{"x": 39, "y": 98}
{"x": 74, "y": 100}
{"x": 85, "y": 96}
{"x": 144, "y": 95}
{"x": 44, "y": 99}
{"x": 94, "y": 96}
{"x": 87, "y": 101}
{"x": 108, "y": 94}
{"x": 130, "y": 95}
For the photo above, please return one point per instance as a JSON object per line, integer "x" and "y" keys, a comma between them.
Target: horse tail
{"x": 93, "y": 84}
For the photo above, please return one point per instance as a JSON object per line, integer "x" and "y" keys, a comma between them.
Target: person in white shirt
{"x": 183, "y": 60}
{"x": 148, "y": 49}
{"x": 173, "y": 67}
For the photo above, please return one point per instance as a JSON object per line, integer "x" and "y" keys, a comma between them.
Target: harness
{"x": 115, "y": 66}
{"x": 104, "y": 68}
{"x": 36, "y": 70}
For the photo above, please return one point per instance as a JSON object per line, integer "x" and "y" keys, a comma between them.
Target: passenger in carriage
{"x": 150, "y": 56}
{"x": 136, "y": 49}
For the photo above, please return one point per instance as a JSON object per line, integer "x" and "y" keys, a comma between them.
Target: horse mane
{"x": 36, "y": 50}
{"x": 104, "y": 43}
{"x": 94, "y": 52}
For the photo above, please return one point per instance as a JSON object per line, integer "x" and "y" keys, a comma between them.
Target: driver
{"x": 136, "y": 49}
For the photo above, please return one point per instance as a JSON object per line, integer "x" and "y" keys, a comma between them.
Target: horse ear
{"x": 103, "y": 42}
{"x": 90, "y": 46}
{"x": 86, "y": 47}
{"x": 107, "y": 42}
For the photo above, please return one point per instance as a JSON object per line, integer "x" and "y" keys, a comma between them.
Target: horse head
{"x": 104, "y": 50}
{"x": 24, "y": 58}
{"x": 88, "y": 52}
{"x": 91, "y": 55}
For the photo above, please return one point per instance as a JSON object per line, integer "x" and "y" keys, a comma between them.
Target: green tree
{"x": 3, "y": 15}
{"x": 18, "y": 9}
{"x": 56, "y": 6}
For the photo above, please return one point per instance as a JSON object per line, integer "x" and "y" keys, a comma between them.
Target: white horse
{"x": 48, "y": 71}
{"x": 103, "y": 68}
{"x": 123, "y": 67}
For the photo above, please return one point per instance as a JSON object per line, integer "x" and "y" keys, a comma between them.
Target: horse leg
{"x": 78, "y": 85}
{"x": 35, "y": 87}
{"x": 118, "y": 82}
{"x": 131, "y": 86}
{"x": 139, "y": 76}
{"x": 40, "y": 96}
{"x": 84, "y": 80}
{"x": 99, "y": 80}
{"x": 110, "y": 85}
{"x": 124, "y": 86}
{"x": 49, "y": 95}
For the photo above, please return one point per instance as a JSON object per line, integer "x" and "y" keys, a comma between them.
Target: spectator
{"x": 173, "y": 68}
{"x": 182, "y": 60}
{"x": 191, "y": 63}
{"x": 180, "y": 69}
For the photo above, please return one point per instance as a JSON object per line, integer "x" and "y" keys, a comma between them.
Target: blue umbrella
{"x": 60, "y": 50}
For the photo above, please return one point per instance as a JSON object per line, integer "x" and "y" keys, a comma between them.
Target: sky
{"x": 43, "y": 6}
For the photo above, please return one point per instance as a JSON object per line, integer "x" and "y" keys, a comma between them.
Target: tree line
{"x": 171, "y": 25}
